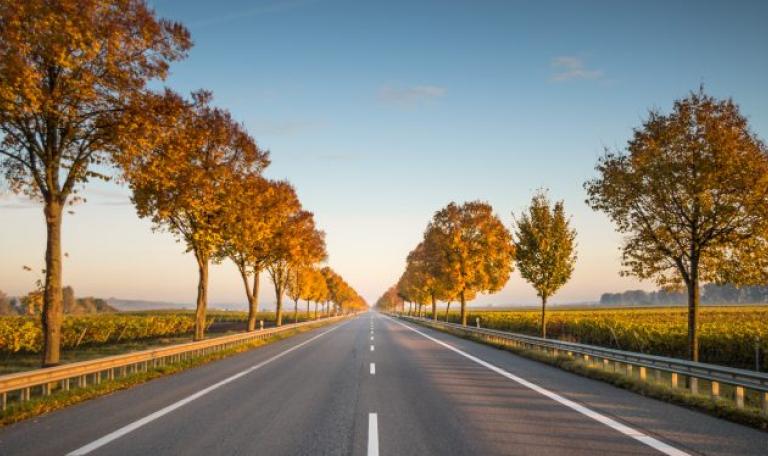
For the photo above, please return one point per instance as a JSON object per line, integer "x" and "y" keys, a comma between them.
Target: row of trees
{"x": 74, "y": 102}
{"x": 711, "y": 293}
{"x": 467, "y": 250}
{"x": 689, "y": 192}
{"x": 31, "y": 304}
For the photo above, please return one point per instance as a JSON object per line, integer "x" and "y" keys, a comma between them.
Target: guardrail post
{"x": 764, "y": 402}
{"x": 4, "y": 401}
{"x": 642, "y": 373}
{"x": 674, "y": 380}
{"x": 740, "y": 397}
{"x": 715, "y": 389}
{"x": 629, "y": 370}
{"x": 694, "y": 384}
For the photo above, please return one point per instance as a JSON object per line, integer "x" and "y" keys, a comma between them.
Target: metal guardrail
{"x": 20, "y": 386}
{"x": 741, "y": 380}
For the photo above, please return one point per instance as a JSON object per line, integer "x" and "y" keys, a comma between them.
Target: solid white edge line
{"x": 98, "y": 443}
{"x": 373, "y": 435}
{"x": 610, "y": 422}
{"x": 373, "y": 368}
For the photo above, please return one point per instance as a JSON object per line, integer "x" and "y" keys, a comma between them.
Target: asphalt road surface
{"x": 371, "y": 386}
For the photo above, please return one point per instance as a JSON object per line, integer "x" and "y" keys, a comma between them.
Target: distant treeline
{"x": 31, "y": 304}
{"x": 710, "y": 294}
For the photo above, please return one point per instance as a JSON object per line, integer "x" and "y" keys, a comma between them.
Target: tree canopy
{"x": 689, "y": 193}
{"x": 545, "y": 249}
{"x": 68, "y": 70}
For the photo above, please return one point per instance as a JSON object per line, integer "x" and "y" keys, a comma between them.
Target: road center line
{"x": 373, "y": 368}
{"x": 610, "y": 422}
{"x": 371, "y": 347}
{"x": 166, "y": 410}
{"x": 373, "y": 435}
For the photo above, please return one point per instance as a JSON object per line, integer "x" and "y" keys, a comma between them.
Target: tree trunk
{"x": 278, "y": 306}
{"x": 434, "y": 308}
{"x": 315, "y": 310}
{"x": 308, "y": 310}
{"x": 463, "y": 308}
{"x": 253, "y": 303}
{"x": 52, "y": 296}
{"x": 295, "y": 310}
{"x": 693, "y": 312}
{"x": 447, "y": 309}
{"x": 249, "y": 296}
{"x": 202, "y": 296}
{"x": 544, "y": 317}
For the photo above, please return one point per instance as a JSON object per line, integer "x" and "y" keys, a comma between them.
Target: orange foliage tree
{"x": 68, "y": 69}
{"x": 183, "y": 180}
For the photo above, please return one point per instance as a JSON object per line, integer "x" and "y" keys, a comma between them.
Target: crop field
{"x": 23, "y": 334}
{"x": 729, "y": 335}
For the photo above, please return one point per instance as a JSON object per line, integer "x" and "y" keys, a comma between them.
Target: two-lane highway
{"x": 374, "y": 385}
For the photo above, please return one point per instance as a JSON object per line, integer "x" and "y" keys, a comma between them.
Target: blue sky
{"x": 380, "y": 113}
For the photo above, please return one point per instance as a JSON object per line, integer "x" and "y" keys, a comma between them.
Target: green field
{"x": 728, "y": 334}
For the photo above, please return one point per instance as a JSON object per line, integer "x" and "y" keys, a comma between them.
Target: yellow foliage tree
{"x": 184, "y": 180}
{"x": 68, "y": 69}
{"x": 295, "y": 243}
{"x": 475, "y": 247}
{"x": 690, "y": 193}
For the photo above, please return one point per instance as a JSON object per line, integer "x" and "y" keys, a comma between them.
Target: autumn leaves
{"x": 74, "y": 98}
{"x": 467, "y": 250}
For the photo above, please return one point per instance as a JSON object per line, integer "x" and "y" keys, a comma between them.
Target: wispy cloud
{"x": 410, "y": 95}
{"x": 567, "y": 68}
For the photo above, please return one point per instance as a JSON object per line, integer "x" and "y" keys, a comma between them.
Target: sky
{"x": 381, "y": 113}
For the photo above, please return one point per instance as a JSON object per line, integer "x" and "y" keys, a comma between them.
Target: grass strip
{"x": 37, "y": 406}
{"x": 719, "y": 407}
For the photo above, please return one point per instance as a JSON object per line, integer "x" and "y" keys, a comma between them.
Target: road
{"x": 371, "y": 386}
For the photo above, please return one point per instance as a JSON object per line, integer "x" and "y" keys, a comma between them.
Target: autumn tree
{"x": 260, "y": 208}
{"x": 476, "y": 247}
{"x": 184, "y": 181}
{"x": 390, "y": 301}
{"x": 545, "y": 249}
{"x": 299, "y": 286}
{"x": 412, "y": 287}
{"x": 295, "y": 243}
{"x": 67, "y": 70}
{"x": 318, "y": 290}
{"x": 689, "y": 192}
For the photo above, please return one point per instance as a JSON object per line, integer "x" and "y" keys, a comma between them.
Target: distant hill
{"x": 127, "y": 305}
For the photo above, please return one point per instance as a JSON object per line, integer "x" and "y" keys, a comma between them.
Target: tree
{"x": 6, "y": 308}
{"x": 690, "y": 195}
{"x": 413, "y": 286}
{"x": 184, "y": 180}
{"x": 476, "y": 247}
{"x": 318, "y": 288}
{"x": 545, "y": 249}
{"x": 295, "y": 243}
{"x": 390, "y": 301}
{"x": 430, "y": 271}
{"x": 68, "y": 69}
{"x": 261, "y": 207}
{"x": 299, "y": 286}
